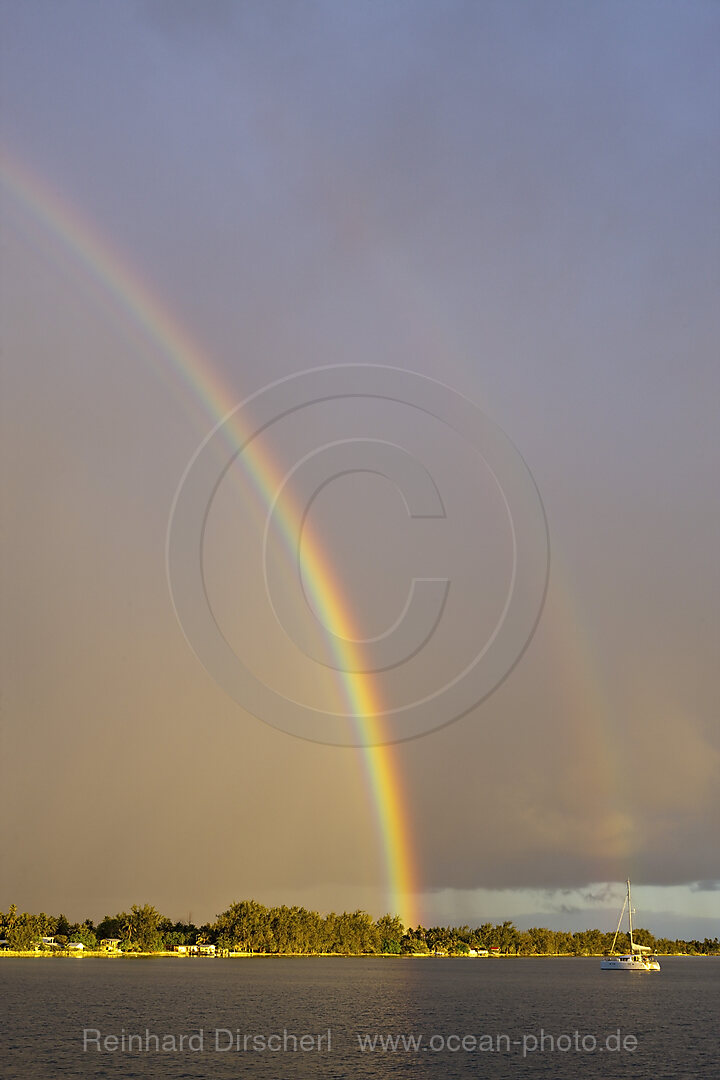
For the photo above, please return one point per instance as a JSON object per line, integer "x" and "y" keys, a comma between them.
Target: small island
{"x": 248, "y": 928}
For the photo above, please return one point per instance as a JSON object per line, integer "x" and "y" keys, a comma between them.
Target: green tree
{"x": 110, "y": 927}
{"x": 523, "y": 943}
{"x": 438, "y": 939}
{"x": 84, "y": 935}
{"x": 390, "y": 931}
{"x": 242, "y": 926}
{"x": 413, "y": 941}
{"x": 476, "y": 940}
{"x": 143, "y": 928}
{"x": 62, "y": 926}
{"x": 22, "y": 935}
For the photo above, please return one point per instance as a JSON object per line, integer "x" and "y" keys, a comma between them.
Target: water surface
{"x": 488, "y": 1018}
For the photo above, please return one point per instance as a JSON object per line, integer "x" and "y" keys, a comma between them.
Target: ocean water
{"x": 277, "y": 1019}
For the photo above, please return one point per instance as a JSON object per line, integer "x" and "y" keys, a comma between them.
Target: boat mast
{"x": 617, "y": 929}
{"x": 629, "y": 904}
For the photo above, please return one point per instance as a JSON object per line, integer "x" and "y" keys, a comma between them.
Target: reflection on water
{"x": 270, "y": 1018}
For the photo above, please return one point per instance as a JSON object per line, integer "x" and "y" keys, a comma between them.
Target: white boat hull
{"x": 629, "y": 963}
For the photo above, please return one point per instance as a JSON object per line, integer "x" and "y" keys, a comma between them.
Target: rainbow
{"x": 607, "y": 826}
{"x": 184, "y": 361}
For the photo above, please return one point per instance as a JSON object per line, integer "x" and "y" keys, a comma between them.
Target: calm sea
{"x": 277, "y": 1019}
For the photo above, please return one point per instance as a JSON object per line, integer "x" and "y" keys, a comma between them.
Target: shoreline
{"x": 64, "y": 954}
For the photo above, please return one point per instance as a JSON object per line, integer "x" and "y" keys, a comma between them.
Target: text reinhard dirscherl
{"x": 217, "y": 1040}
{"x": 225, "y": 1040}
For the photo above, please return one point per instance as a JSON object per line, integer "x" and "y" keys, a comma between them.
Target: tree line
{"x": 250, "y": 927}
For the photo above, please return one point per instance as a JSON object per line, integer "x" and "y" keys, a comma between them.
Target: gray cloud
{"x": 518, "y": 199}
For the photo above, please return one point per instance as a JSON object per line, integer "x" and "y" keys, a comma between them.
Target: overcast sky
{"x": 520, "y": 200}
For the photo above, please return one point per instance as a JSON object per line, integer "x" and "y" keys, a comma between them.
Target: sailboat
{"x": 640, "y": 957}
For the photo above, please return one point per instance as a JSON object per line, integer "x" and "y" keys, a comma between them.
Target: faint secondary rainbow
{"x": 184, "y": 359}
